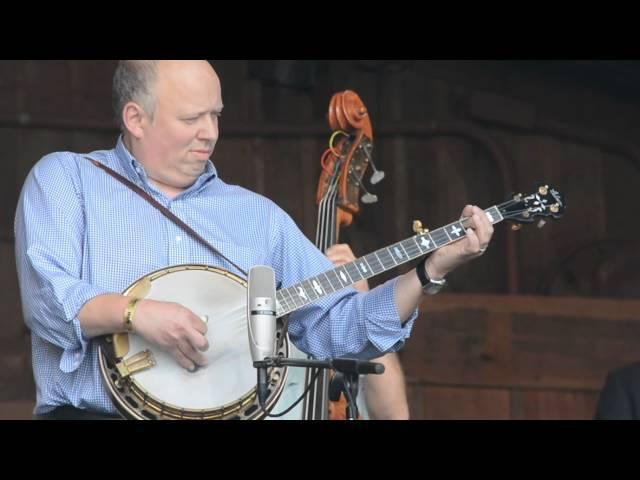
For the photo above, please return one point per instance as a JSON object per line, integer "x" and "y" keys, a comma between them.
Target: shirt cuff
{"x": 73, "y": 357}
{"x": 385, "y": 329}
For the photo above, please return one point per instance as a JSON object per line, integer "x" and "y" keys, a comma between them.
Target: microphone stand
{"x": 346, "y": 380}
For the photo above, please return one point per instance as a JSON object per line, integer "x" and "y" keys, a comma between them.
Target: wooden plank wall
{"x": 516, "y": 357}
{"x": 446, "y": 133}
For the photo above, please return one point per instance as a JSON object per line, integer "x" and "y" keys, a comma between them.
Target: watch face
{"x": 432, "y": 288}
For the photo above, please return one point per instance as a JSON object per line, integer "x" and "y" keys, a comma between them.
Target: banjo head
{"x": 146, "y": 382}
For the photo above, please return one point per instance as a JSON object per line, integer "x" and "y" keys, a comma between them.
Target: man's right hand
{"x": 173, "y": 328}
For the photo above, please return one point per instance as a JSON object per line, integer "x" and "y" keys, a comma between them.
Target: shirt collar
{"x": 136, "y": 170}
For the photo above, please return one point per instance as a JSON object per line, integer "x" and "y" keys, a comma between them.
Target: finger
{"x": 333, "y": 256}
{"x": 467, "y": 211}
{"x": 342, "y": 248}
{"x": 340, "y": 253}
{"x": 191, "y": 353}
{"x": 183, "y": 361}
{"x": 483, "y": 230}
{"x": 341, "y": 260}
{"x": 198, "y": 341}
{"x": 484, "y": 218}
{"x": 480, "y": 231}
{"x": 473, "y": 243}
{"x": 199, "y": 323}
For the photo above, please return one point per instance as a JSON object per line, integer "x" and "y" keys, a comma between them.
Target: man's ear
{"x": 134, "y": 119}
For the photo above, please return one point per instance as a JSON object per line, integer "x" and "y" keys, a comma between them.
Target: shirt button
{"x": 178, "y": 238}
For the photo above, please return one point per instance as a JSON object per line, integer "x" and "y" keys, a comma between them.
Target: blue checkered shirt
{"x": 81, "y": 234}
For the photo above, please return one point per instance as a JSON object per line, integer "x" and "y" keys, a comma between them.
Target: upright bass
{"x": 344, "y": 165}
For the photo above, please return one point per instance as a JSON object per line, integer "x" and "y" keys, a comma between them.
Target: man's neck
{"x": 168, "y": 190}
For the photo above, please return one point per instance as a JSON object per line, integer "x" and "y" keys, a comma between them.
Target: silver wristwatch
{"x": 430, "y": 286}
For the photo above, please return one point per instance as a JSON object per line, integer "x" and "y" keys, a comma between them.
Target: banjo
{"x": 145, "y": 382}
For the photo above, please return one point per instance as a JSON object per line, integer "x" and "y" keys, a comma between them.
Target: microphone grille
{"x": 262, "y": 282}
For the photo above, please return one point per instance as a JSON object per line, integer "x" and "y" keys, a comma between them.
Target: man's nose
{"x": 209, "y": 129}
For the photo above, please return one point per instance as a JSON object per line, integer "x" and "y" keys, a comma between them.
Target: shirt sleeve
{"x": 49, "y": 235}
{"x": 347, "y": 323}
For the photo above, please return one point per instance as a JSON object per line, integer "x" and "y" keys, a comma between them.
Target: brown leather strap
{"x": 167, "y": 213}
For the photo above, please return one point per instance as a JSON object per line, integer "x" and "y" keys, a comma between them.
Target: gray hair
{"x": 133, "y": 81}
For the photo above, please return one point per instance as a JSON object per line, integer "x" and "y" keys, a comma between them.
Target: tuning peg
{"x": 369, "y": 198}
{"x": 543, "y": 190}
{"x": 515, "y": 227}
{"x": 418, "y": 228}
{"x": 541, "y": 223}
{"x": 555, "y": 208}
{"x": 377, "y": 177}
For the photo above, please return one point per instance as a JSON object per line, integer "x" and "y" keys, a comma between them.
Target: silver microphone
{"x": 261, "y": 312}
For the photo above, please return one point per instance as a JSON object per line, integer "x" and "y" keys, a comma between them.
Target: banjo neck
{"x": 312, "y": 289}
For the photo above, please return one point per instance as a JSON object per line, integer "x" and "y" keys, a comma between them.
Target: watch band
{"x": 430, "y": 286}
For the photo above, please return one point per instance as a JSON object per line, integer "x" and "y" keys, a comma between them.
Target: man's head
{"x": 169, "y": 117}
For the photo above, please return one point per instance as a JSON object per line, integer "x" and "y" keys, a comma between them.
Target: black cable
{"x": 350, "y": 400}
{"x": 304, "y": 394}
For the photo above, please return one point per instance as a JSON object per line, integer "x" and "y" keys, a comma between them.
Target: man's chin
{"x": 193, "y": 172}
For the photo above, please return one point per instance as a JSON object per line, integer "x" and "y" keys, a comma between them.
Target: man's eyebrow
{"x": 217, "y": 111}
{"x": 205, "y": 112}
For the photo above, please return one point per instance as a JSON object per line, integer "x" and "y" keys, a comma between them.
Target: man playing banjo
{"x": 82, "y": 237}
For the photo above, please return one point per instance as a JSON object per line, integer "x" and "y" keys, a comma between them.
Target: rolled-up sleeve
{"x": 49, "y": 232}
